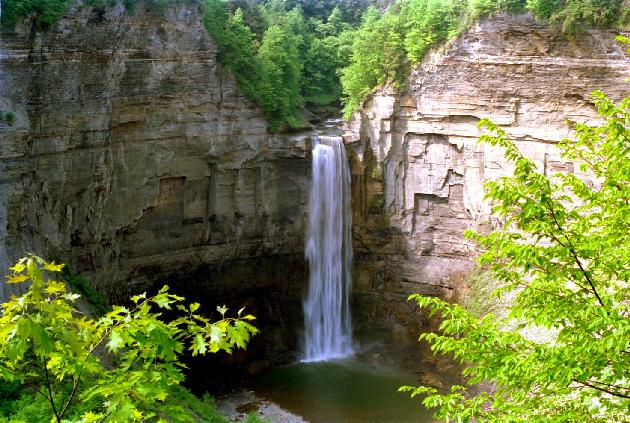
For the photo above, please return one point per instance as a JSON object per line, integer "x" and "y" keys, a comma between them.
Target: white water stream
{"x": 327, "y": 320}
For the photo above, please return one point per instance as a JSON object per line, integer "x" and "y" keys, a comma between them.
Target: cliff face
{"x": 135, "y": 158}
{"x": 419, "y": 171}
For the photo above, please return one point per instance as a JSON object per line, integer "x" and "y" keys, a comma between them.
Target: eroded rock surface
{"x": 419, "y": 171}
{"x": 136, "y": 159}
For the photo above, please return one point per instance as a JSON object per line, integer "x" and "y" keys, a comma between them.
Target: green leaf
{"x": 163, "y": 301}
{"x": 199, "y": 345}
{"x": 115, "y": 341}
{"x": 216, "y": 334}
{"x": 53, "y": 267}
{"x": 16, "y": 278}
{"x": 55, "y": 287}
{"x": 41, "y": 329}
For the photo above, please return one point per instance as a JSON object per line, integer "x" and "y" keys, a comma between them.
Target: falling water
{"x": 328, "y": 328}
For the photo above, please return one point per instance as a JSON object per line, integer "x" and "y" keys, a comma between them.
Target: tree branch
{"x": 51, "y": 399}
{"x": 590, "y": 385}
{"x": 573, "y": 253}
{"x": 75, "y": 385}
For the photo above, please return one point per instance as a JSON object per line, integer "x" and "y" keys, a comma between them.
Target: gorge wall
{"x": 418, "y": 171}
{"x": 135, "y": 158}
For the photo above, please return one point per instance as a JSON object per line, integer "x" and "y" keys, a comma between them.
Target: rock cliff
{"x": 135, "y": 158}
{"x": 419, "y": 171}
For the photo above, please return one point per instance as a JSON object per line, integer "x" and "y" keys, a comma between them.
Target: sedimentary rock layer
{"x": 418, "y": 170}
{"x": 135, "y": 158}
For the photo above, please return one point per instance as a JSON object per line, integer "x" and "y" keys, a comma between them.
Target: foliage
{"x": 478, "y": 299}
{"x": 280, "y": 89}
{"x": 204, "y": 408}
{"x": 46, "y": 12}
{"x": 9, "y": 393}
{"x": 349, "y": 10}
{"x": 281, "y": 59}
{"x": 574, "y": 15}
{"x": 8, "y": 117}
{"x": 377, "y": 58}
{"x": 430, "y": 22}
{"x": 545, "y": 9}
{"x": 49, "y": 346}
{"x": 81, "y": 285}
{"x": 29, "y": 407}
{"x": 479, "y": 8}
{"x": 563, "y": 255}
{"x": 320, "y": 84}
{"x": 234, "y": 40}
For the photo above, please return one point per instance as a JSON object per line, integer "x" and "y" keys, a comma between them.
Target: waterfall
{"x": 327, "y": 321}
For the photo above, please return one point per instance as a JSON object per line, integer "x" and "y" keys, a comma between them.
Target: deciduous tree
{"x": 563, "y": 253}
{"x": 126, "y": 363}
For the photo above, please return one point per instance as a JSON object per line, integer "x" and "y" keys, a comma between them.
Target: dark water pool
{"x": 343, "y": 392}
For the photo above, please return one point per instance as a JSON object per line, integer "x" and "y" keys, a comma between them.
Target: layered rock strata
{"x": 135, "y": 158}
{"x": 419, "y": 172}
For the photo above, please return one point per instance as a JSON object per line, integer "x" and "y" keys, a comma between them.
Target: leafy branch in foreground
{"x": 48, "y": 345}
{"x": 563, "y": 254}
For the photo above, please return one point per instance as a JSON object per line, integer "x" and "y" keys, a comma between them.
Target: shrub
{"x": 81, "y": 285}
{"x": 8, "y": 117}
{"x": 544, "y": 9}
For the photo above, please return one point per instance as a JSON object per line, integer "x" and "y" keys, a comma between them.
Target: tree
{"x": 430, "y": 22}
{"x": 280, "y": 86}
{"x": 377, "y": 58}
{"x": 320, "y": 84}
{"x": 126, "y": 363}
{"x": 563, "y": 254}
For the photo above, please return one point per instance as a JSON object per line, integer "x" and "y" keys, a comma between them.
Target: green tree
{"x": 234, "y": 40}
{"x": 563, "y": 254}
{"x": 126, "y": 363}
{"x": 488, "y": 7}
{"x": 280, "y": 86}
{"x": 545, "y": 9}
{"x": 429, "y": 22}
{"x": 320, "y": 84}
{"x": 377, "y": 58}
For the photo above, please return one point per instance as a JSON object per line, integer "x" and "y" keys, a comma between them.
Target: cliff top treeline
{"x": 290, "y": 54}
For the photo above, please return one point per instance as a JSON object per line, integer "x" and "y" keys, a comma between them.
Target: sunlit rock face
{"x": 418, "y": 171}
{"x": 135, "y": 158}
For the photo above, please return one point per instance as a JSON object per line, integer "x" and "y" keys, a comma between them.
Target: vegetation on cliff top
{"x": 564, "y": 258}
{"x": 122, "y": 367}
{"x": 288, "y": 54}
{"x": 282, "y": 57}
{"x": 285, "y": 55}
{"x": 386, "y": 45}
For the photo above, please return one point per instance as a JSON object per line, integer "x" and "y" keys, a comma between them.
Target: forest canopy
{"x": 291, "y": 55}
